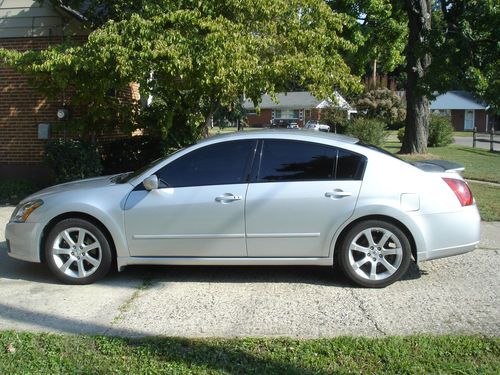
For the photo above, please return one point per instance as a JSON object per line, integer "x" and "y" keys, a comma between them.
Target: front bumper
{"x": 23, "y": 241}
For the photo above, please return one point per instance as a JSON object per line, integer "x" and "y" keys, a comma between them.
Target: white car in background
{"x": 284, "y": 197}
{"x": 316, "y": 125}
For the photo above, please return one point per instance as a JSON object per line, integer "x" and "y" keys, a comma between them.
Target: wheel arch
{"x": 75, "y": 215}
{"x": 392, "y": 220}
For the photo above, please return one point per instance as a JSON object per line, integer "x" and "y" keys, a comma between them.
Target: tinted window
{"x": 221, "y": 163}
{"x": 350, "y": 166}
{"x": 296, "y": 161}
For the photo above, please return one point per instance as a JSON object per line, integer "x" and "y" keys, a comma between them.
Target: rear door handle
{"x": 228, "y": 197}
{"x": 337, "y": 193}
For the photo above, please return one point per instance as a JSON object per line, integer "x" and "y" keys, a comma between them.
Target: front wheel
{"x": 375, "y": 254}
{"x": 77, "y": 252}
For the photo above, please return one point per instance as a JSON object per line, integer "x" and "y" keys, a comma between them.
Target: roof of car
{"x": 295, "y": 133}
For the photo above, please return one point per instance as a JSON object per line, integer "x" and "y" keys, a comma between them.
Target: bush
{"x": 440, "y": 131}
{"x": 401, "y": 134}
{"x": 13, "y": 191}
{"x": 130, "y": 154}
{"x": 369, "y": 131}
{"x": 72, "y": 159}
{"x": 384, "y": 105}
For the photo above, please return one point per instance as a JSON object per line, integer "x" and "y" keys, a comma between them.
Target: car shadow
{"x": 314, "y": 275}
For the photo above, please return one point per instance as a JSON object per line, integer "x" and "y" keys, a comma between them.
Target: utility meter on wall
{"x": 62, "y": 114}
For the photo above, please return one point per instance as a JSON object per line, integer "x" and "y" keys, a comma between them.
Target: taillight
{"x": 461, "y": 190}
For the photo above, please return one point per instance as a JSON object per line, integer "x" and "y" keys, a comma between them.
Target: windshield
{"x": 128, "y": 176}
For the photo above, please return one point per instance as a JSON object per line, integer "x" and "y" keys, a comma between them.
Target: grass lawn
{"x": 479, "y": 165}
{"x": 24, "y": 353}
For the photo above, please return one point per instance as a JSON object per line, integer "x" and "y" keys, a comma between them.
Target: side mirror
{"x": 151, "y": 182}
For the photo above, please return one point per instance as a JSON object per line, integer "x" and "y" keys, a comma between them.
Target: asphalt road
{"x": 453, "y": 295}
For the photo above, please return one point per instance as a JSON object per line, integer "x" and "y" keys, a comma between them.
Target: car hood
{"x": 89, "y": 183}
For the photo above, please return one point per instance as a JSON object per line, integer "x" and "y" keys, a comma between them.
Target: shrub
{"x": 383, "y": 104}
{"x": 12, "y": 191}
{"x": 129, "y": 154}
{"x": 72, "y": 159}
{"x": 369, "y": 131}
{"x": 440, "y": 131}
{"x": 401, "y": 134}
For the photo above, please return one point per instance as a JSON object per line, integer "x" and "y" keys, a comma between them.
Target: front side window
{"x": 217, "y": 164}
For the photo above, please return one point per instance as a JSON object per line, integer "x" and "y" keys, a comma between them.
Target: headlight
{"x": 22, "y": 212}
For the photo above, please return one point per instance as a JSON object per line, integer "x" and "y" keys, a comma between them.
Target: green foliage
{"x": 26, "y": 353}
{"x": 401, "y": 134}
{"x": 335, "y": 117}
{"x": 384, "y": 105}
{"x": 72, "y": 159}
{"x": 379, "y": 27}
{"x": 440, "y": 131}
{"x": 370, "y": 131}
{"x": 464, "y": 47}
{"x": 196, "y": 56}
{"x": 12, "y": 191}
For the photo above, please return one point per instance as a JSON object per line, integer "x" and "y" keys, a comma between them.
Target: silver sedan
{"x": 255, "y": 198}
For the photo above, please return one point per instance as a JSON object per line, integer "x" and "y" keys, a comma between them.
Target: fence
{"x": 491, "y": 138}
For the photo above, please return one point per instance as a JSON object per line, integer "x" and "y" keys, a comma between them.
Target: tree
{"x": 418, "y": 60}
{"x": 196, "y": 56}
{"x": 379, "y": 27}
{"x": 465, "y": 48}
{"x": 383, "y": 104}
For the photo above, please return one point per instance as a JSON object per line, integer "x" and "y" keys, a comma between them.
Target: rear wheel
{"x": 375, "y": 254}
{"x": 77, "y": 252}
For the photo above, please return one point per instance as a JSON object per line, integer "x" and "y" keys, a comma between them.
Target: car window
{"x": 350, "y": 166}
{"x": 217, "y": 164}
{"x": 284, "y": 160}
{"x": 296, "y": 161}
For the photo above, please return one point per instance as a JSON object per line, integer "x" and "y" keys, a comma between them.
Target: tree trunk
{"x": 374, "y": 74}
{"x": 417, "y": 63}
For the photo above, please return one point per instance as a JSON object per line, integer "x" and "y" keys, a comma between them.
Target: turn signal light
{"x": 461, "y": 190}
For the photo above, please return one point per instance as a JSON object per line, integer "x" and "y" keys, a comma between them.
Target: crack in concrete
{"x": 364, "y": 310}
{"x": 146, "y": 283}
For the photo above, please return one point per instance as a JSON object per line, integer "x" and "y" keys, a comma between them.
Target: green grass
{"x": 23, "y": 353}
{"x": 488, "y": 200}
{"x": 462, "y": 134}
{"x": 479, "y": 164}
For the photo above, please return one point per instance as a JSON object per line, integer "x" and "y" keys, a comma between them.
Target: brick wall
{"x": 22, "y": 108}
{"x": 262, "y": 119}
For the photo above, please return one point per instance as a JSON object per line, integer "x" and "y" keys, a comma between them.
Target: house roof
{"x": 297, "y": 100}
{"x": 457, "y": 100}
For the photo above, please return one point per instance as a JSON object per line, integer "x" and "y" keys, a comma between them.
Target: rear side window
{"x": 217, "y": 164}
{"x": 284, "y": 160}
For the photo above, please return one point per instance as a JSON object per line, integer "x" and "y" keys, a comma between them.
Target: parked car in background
{"x": 316, "y": 125}
{"x": 278, "y": 197}
{"x": 293, "y": 125}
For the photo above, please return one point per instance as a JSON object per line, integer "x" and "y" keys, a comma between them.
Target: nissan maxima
{"x": 283, "y": 197}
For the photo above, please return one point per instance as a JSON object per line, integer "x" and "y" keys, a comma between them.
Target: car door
{"x": 300, "y": 195}
{"x": 199, "y": 209}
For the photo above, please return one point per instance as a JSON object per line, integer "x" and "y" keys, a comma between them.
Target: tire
{"x": 374, "y": 254}
{"x": 77, "y": 252}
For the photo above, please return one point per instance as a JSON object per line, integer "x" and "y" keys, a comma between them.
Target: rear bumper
{"x": 449, "y": 233}
{"x": 23, "y": 240}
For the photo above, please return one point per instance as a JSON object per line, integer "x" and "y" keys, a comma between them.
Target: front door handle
{"x": 228, "y": 197}
{"x": 337, "y": 193}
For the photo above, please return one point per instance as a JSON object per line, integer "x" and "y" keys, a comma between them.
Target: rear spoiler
{"x": 438, "y": 166}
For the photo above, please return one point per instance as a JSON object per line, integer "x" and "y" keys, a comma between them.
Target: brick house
{"x": 464, "y": 110}
{"x": 26, "y": 116}
{"x": 296, "y": 107}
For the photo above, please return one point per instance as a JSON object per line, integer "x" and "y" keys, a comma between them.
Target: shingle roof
{"x": 457, "y": 100}
{"x": 296, "y": 99}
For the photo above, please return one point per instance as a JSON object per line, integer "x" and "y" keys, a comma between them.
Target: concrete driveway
{"x": 453, "y": 295}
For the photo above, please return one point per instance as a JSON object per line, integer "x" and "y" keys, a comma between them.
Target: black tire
{"x": 77, "y": 252}
{"x": 369, "y": 262}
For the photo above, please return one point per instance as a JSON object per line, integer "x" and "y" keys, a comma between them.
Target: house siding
{"x": 263, "y": 119}
{"x": 480, "y": 120}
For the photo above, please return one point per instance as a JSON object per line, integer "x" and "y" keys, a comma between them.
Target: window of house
{"x": 287, "y": 114}
{"x": 217, "y": 164}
